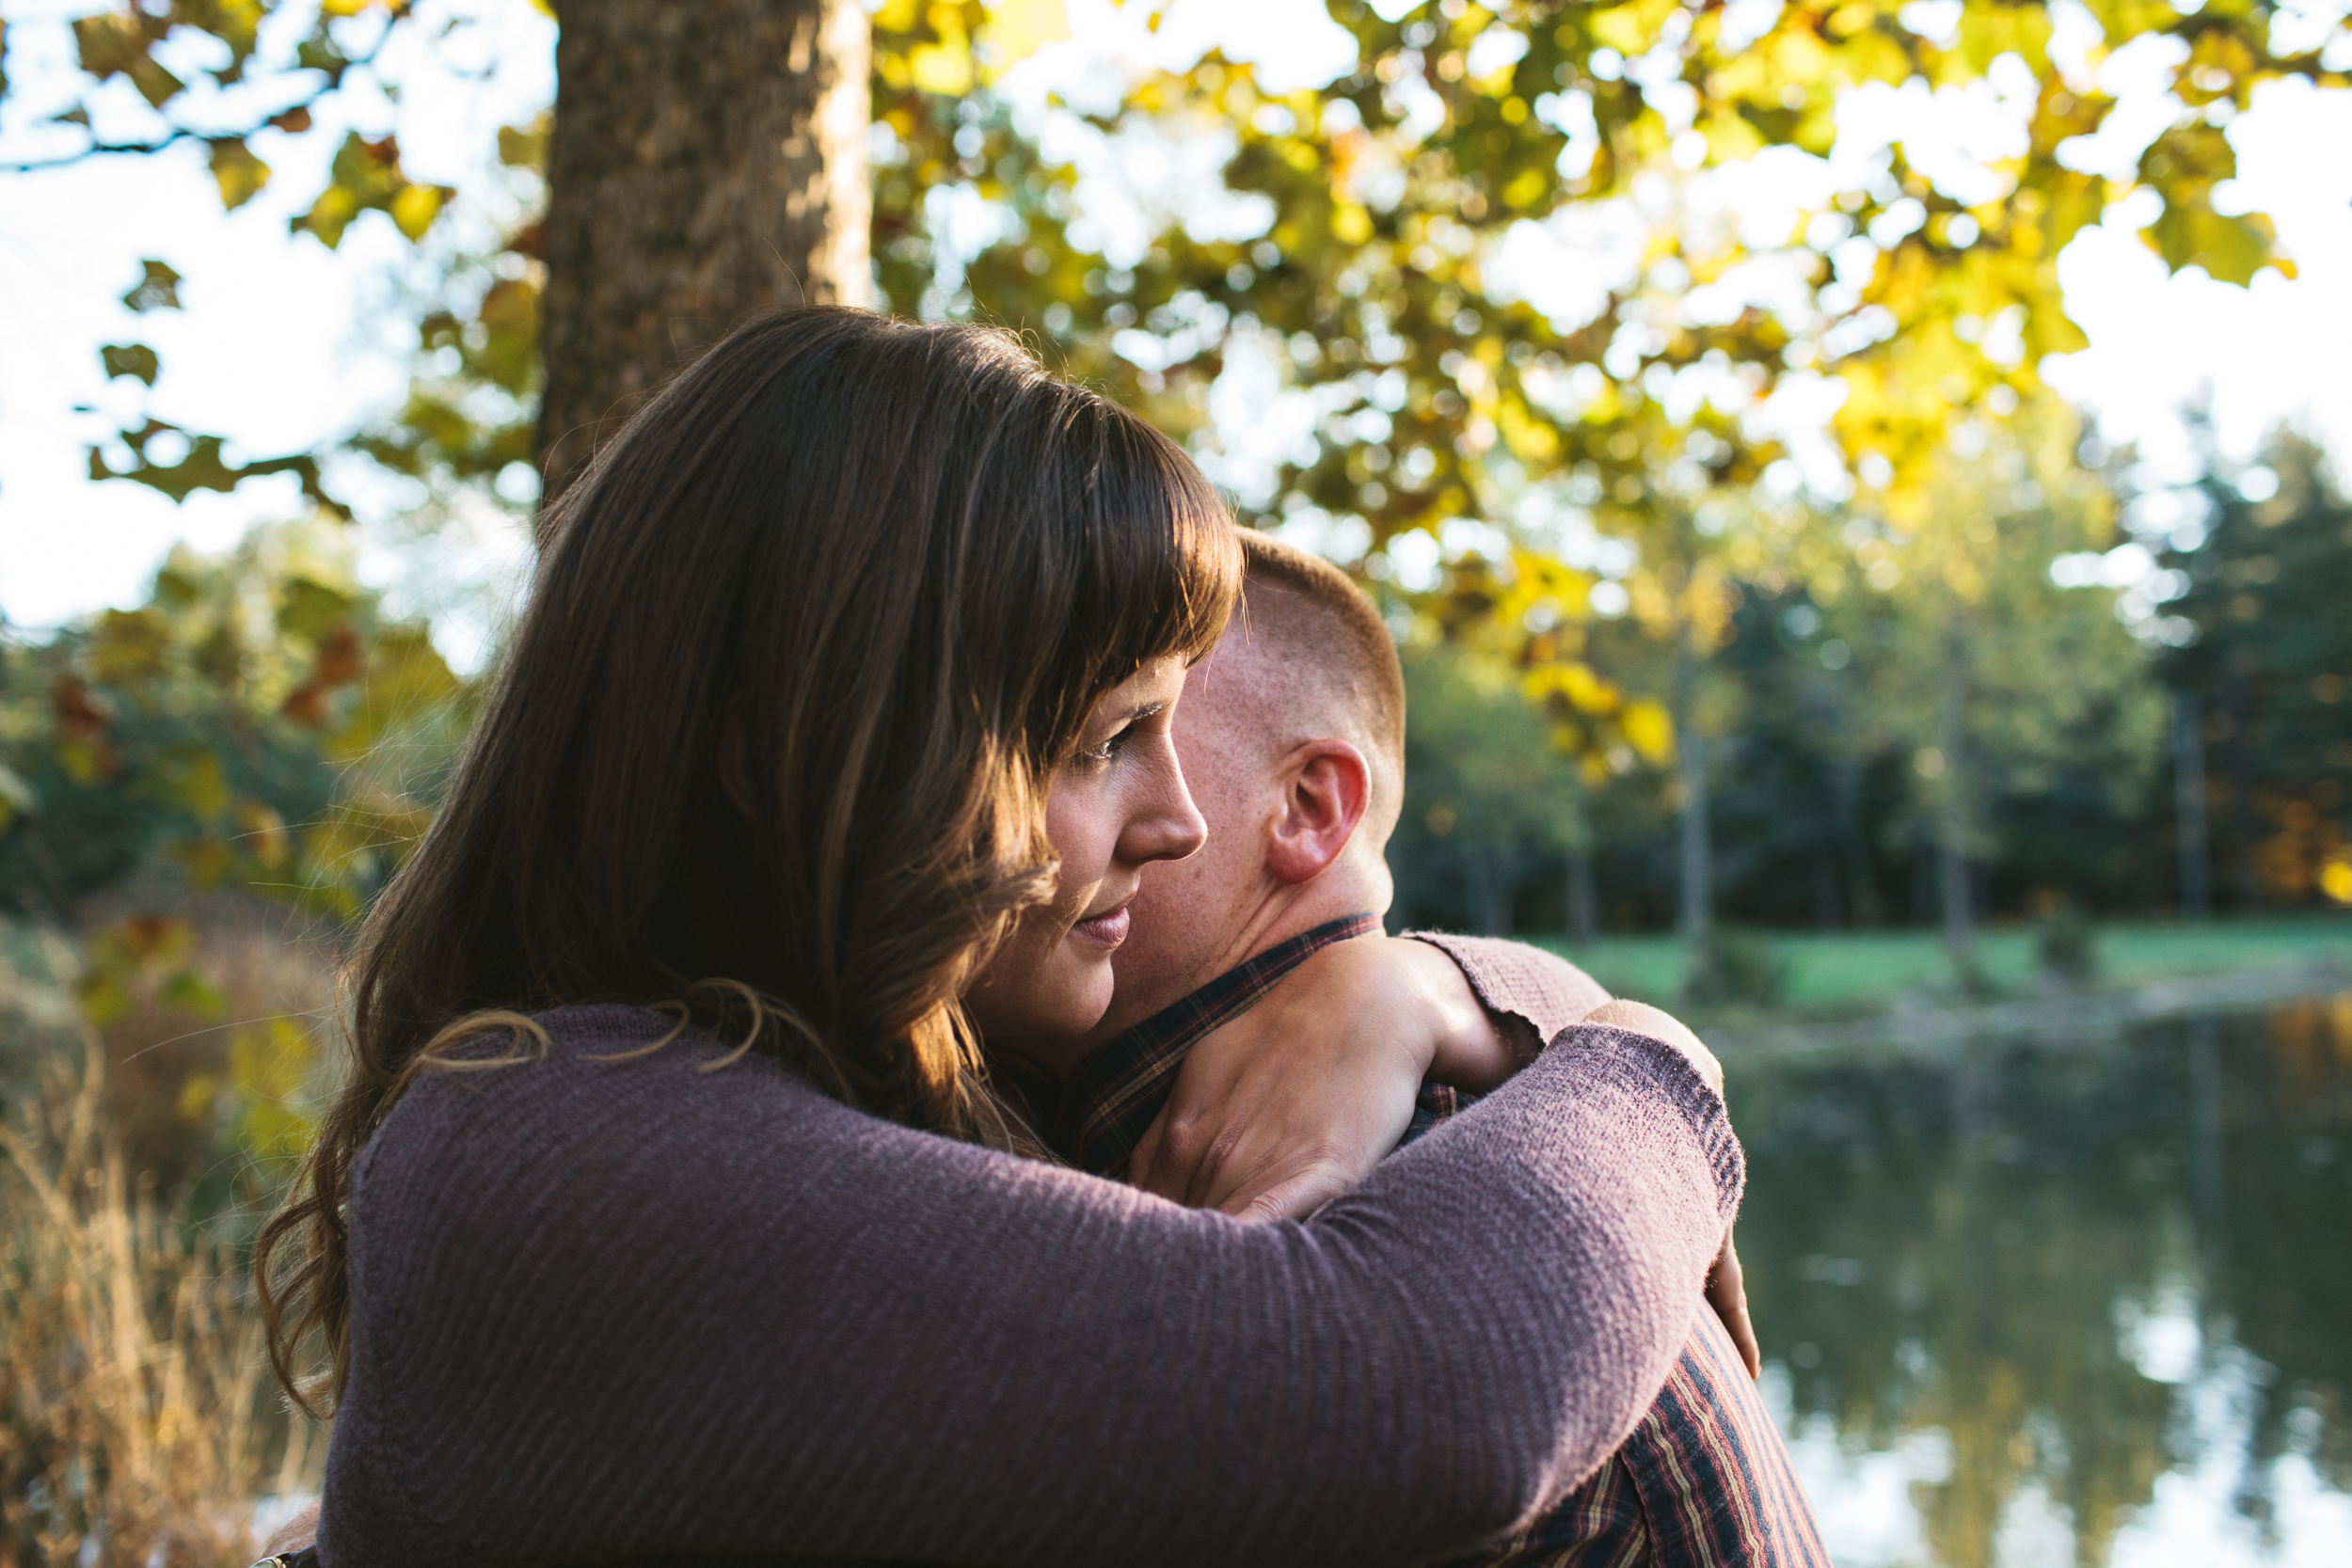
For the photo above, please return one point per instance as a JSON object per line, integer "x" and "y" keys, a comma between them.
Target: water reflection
{"x": 2085, "y": 1301}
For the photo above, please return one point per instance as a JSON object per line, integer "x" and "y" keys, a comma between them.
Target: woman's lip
{"x": 1108, "y": 929}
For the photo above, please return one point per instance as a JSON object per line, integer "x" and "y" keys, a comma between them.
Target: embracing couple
{"x": 887, "y": 1053}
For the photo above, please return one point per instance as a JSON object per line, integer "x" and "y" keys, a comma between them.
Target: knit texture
{"x": 1531, "y": 994}
{"x": 1705, "y": 1480}
{"x": 613, "y": 1309}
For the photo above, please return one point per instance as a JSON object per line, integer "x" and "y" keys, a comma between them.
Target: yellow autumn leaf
{"x": 1650, "y": 732}
{"x": 267, "y": 1070}
{"x": 941, "y": 68}
{"x": 201, "y": 788}
{"x": 415, "y": 208}
{"x": 1631, "y": 29}
{"x": 128, "y": 645}
{"x": 239, "y": 174}
{"x": 206, "y": 860}
{"x": 1019, "y": 28}
{"x": 263, "y": 833}
{"x": 196, "y": 1097}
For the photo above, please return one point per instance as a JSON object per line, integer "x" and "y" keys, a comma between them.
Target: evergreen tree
{"x": 2265, "y": 610}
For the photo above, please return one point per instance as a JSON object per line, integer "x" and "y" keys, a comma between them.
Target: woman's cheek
{"x": 1075, "y": 815}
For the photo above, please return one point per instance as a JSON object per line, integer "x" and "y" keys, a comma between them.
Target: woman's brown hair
{"x": 770, "y": 743}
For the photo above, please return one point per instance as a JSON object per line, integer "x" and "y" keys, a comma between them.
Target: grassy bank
{"x": 1852, "y": 973}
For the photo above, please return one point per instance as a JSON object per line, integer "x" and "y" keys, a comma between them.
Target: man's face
{"x": 1187, "y": 913}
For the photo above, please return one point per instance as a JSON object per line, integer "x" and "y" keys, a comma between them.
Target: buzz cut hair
{"x": 1332, "y": 640}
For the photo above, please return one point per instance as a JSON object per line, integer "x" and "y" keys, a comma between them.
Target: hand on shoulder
{"x": 1296, "y": 1101}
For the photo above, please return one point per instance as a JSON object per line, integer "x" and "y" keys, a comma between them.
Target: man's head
{"x": 1291, "y": 737}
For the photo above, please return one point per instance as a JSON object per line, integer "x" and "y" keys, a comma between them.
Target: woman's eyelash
{"x": 1119, "y": 737}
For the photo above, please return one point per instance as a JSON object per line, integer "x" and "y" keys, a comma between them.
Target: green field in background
{"x": 1856, "y": 971}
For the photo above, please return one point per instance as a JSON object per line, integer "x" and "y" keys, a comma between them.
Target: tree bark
{"x": 1699, "y": 846}
{"x": 1952, "y": 813}
{"x": 2188, "y": 800}
{"x": 1584, "y": 896}
{"x": 1487, "y": 883}
{"x": 707, "y": 164}
{"x": 1854, "y": 850}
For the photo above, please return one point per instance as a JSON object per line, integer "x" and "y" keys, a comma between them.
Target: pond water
{"x": 2081, "y": 1302}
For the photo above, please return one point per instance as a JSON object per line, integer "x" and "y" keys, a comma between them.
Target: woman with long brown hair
{"x": 669, "y": 1210}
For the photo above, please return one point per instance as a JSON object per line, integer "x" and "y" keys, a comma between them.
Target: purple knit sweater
{"x": 604, "y": 1310}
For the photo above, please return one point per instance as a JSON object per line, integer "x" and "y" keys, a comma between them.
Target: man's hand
{"x": 1292, "y": 1103}
{"x": 1726, "y": 1292}
{"x": 1729, "y": 1296}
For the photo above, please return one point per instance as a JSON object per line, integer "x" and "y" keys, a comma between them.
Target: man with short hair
{"x": 1292, "y": 738}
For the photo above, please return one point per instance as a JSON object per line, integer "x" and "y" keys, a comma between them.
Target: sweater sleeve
{"x": 610, "y": 1308}
{"x": 1531, "y": 995}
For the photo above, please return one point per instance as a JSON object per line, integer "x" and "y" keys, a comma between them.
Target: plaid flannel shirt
{"x": 1704, "y": 1481}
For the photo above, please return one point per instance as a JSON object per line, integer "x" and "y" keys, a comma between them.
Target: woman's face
{"x": 1118, "y": 805}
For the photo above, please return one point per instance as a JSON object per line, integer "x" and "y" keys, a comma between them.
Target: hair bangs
{"x": 1162, "y": 562}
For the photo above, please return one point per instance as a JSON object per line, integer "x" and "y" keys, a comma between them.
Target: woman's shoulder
{"x": 587, "y": 1094}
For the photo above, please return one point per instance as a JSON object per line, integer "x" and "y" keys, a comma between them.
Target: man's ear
{"x": 1326, "y": 787}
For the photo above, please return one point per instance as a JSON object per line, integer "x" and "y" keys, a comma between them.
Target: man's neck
{"x": 1272, "y": 912}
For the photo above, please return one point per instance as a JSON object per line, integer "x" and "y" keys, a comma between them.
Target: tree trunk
{"x": 1584, "y": 897}
{"x": 2188, "y": 800}
{"x": 2244, "y": 836}
{"x": 1698, "y": 848}
{"x": 707, "y": 164}
{"x": 1952, "y": 814}
{"x": 1853, "y": 850}
{"x": 1489, "y": 883}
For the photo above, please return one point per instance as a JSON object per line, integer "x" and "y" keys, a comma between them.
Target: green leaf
{"x": 525, "y": 146}
{"x": 197, "y": 782}
{"x": 133, "y": 360}
{"x": 2185, "y": 164}
{"x": 116, "y": 44}
{"x": 309, "y": 608}
{"x": 189, "y": 991}
{"x": 205, "y": 468}
{"x": 238, "y": 172}
{"x": 16, "y": 800}
{"x": 158, "y": 289}
{"x": 128, "y": 646}
{"x": 365, "y": 176}
{"x": 103, "y": 1000}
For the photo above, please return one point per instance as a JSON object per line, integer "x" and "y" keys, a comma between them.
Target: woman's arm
{"x": 1293, "y": 1102}
{"x": 605, "y": 1309}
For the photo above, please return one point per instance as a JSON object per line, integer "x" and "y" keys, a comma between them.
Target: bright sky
{"x": 285, "y": 346}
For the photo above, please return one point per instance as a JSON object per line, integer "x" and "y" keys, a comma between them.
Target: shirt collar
{"x": 1110, "y": 1101}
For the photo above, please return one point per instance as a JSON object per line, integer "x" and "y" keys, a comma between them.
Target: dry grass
{"x": 138, "y": 1421}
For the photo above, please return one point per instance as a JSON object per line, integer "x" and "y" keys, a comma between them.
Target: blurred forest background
{"x": 1749, "y": 576}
